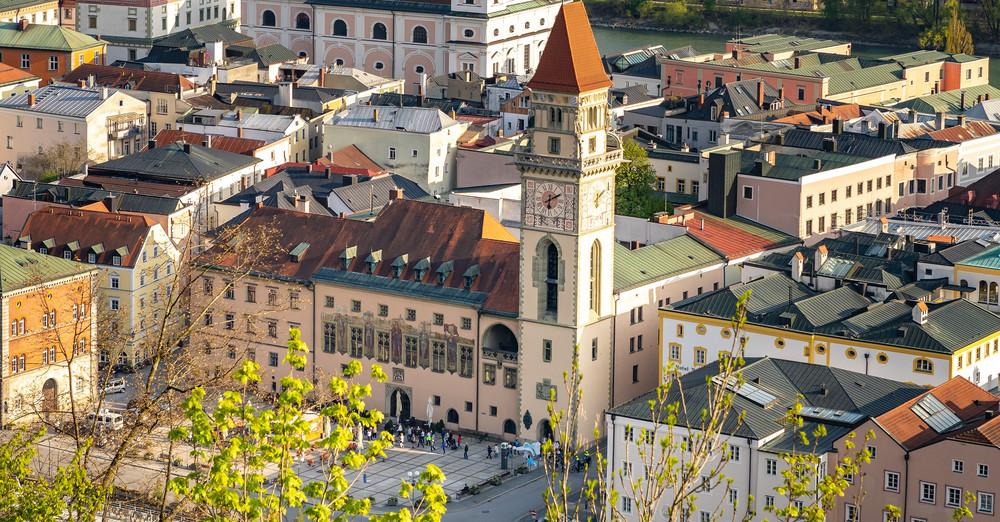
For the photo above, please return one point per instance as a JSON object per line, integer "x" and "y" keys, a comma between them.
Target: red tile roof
{"x": 984, "y": 193}
{"x": 824, "y": 115}
{"x": 245, "y": 146}
{"x": 350, "y": 160}
{"x": 443, "y": 233}
{"x": 88, "y": 228}
{"x": 734, "y": 238}
{"x": 9, "y": 75}
{"x": 570, "y": 63}
{"x": 966, "y": 400}
{"x": 134, "y": 79}
{"x": 958, "y": 134}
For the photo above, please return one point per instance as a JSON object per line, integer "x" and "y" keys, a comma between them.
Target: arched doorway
{"x": 500, "y": 338}
{"x": 544, "y": 430}
{"x": 453, "y": 416}
{"x": 399, "y": 404}
{"x": 510, "y": 427}
{"x": 50, "y": 396}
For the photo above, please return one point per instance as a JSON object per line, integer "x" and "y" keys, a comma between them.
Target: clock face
{"x": 598, "y": 211}
{"x": 549, "y": 204}
{"x": 549, "y": 199}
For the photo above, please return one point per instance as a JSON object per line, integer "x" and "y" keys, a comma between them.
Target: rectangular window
{"x": 850, "y": 513}
{"x": 329, "y": 337}
{"x": 510, "y": 378}
{"x": 53, "y": 63}
{"x": 383, "y": 310}
{"x": 392, "y": 153}
{"x": 983, "y": 470}
{"x": 410, "y": 345}
{"x": 928, "y": 492}
{"x": 891, "y": 481}
{"x": 329, "y": 303}
{"x": 272, "y": 359}
{"x": 954, "y": 497}
{"x": 272, "y": 329}
{"x": 466, "y": 323}
{"x": 984, "y": 503}
{"x": 554, "y": 145}
{"x": 772, "y": 466}
{"x": 747, "y": 192}
{"x": 489, "y": 373}
{"x": 411, "y": 314}
{"x": 438, "y": 319}
{"x": 25, "y": 61}
{"x": 251, "y": 294}
{"x": 546, "y": 350}
{"x": 357, "y": 345}
{"x": 958, "y": 466}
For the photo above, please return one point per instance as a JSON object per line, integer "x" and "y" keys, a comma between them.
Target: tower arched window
{"x": 595, "y": 277}
{"x": 420, "y": 34}
{"x": 302, "y": 21}
{"x": 993, "y": 293}
{"x": 983, "y": 292}
{"x": 379, "y": 32}
{"x": 267, "y": 19}
{"x": 552, "y": 279}
{"x": 339, "y": 28}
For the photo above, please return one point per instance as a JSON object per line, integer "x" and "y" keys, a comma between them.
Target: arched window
{"x": 302, "y": 21}
{"x": 419, "y": 34}
{"x": 982, "y": 292}
{"x": 452, "y": 416}
{"x": 379, "y": 32}
{"x": 552, "y": 279}
{"x": 339, "y": 28}
{"x": 510, "y": 427}
{"x": 964, "y": 283}
{"x": 267, "y": 19}
{"x": 993, "y": 293}
{"x": 469, "y": 33}
{"x": 595, "y": 277}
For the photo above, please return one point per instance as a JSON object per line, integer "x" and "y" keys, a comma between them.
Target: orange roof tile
{"x": 350, "y": 160}
{"x": 10, "y": 75}
{"x": 957, "y": 134}
{"x": 966, "y": 400}
{"x": 571, "y": 63}
{"x": 111, "y": 231}
{"x": 245, "y": 146}
{"x": 823, "y": 115}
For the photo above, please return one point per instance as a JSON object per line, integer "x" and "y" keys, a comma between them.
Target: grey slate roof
{"x": 59, "y": 100}
{"x": 374, "y": 193}
{"x": 80, "y": 196}
{"x": 859, "y": 144}
{"x": 832, "y": 389}
{"x": 171, "y": 163}
{"x": 407, "y": 119}
{"x": 950, "y": 326}
{"x": 956, "y": 253}
{"x": 269, "y": 92}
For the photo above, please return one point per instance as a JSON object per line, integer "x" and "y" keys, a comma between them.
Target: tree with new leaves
{"x": 635, "y": 180}
{"x": 957, "y": 38}
{"x": 63, "y": 158}
{"x": 235, "y": 485}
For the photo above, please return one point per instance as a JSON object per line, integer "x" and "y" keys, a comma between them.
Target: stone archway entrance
{"x": 544, "y": 430}
{"x": 399, "y": 404}
{"x": 50, "y": 396}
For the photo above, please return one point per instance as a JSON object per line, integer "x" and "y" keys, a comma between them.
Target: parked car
{"x": 115, "y": 385}
{"x": 106, "y": 420}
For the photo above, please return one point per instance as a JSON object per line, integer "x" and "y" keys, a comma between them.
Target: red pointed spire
{"x": 571, "y": 63}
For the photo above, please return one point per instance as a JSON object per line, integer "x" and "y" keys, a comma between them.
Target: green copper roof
{"x": 949, "y": 101}
{"x": 661, "y": 260}
{"x": 985, "y": 259}
{"x": 45, "y": 37}
{"x": 21, "y": 268}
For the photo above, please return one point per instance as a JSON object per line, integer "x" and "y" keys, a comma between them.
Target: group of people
{"x": 424, "y": 437}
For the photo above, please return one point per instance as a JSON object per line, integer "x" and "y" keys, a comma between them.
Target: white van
{"x": 115, "y": 386}
{"x": 107, "y": 420}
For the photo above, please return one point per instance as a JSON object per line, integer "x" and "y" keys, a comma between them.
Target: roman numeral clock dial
{"x": 550, "y": 205}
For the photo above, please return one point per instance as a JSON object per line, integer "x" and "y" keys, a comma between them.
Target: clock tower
{"x": 567, "y": 166}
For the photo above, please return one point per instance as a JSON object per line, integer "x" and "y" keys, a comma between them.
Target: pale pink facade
{"x": 407, "y": 41}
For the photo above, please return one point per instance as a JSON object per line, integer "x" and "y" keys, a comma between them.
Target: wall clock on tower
{"x": 551, "y": 205}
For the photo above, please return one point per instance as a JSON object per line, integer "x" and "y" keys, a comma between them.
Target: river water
{"x": 614, "y": 40}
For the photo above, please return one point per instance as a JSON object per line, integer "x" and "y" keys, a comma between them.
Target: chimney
{"x": 920, "y": 313}
{"x": 820, "y": 257}
{"x": 701, "y": 100}
{"x": 239, "y": 132}
{"x": 798, "y": 262}
{"x": 327, "y": 173}
{"x": 213, "y": 84}
{"x": 817, "y": 164}
{"x": 781, "y": 95}
{"x": 81, "y": 83}
{"x": 961, "y": 120}
{"x": 882, "y": 130}
{"x": 31, "y": 100}
{"x": 986, "y": 96}
{"x": 350, "y": 179}
{"x": 286, "y": 94}
{"x": 22, "y": 24}
{"x": 760, "y": 93}
{"x": 111, "y": 203}
{"x": 207, "y": 142}
{"x": 301, "y": 203}
{"x": 769, "y": 157}
{"x": 187, "y": 148}
{"x": 961, "y": 101}
{"x": 104, "y": 93}
{"x": 395, "y": 194}
{"x": 884, "y": 224}
{"x": 830, "y": 143}
{"x": 838, "y": 125}
{"x": 939, "y": 120}
{"x": 796, "y": 63}
{"x": 151, "y": 145}
{"x": 375, "y": 114}
{"x": 239, "y": 115}
{"x": 91, "y": 80}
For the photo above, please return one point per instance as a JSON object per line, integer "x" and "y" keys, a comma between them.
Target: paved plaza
{"x": 383, "y": 478}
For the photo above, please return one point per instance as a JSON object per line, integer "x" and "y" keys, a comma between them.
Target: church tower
{"x": 567, "y": 167}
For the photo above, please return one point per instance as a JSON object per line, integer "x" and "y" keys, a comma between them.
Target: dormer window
{"x": 470, "y": 276}
{"x": 348, "y": 255}
{"x": 67, "y": 254}
{"x": 116, "y": 260}
{"x": 373, "y": 260}
{"x": 43, "y": 250}
{"x": 444, "y": 271}
{"x": 421, "y": 268}
{"x": 91, "y": 258}
{"x": 298, "y": 252}
{"x": 398, "y": 265}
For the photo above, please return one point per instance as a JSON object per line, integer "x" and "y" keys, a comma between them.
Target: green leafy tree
{"x": 235, "y": 485}
{"x": 635, "y": 180}
{"x": 29, "y": 496}
{"x": 957, "y": 39}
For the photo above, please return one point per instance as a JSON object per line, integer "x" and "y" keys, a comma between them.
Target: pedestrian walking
{"x": 489, "y": 452}
{"x": 466, "y": 452}
{"x": 459, "y": 439}
{"x": 444, "y": 446}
